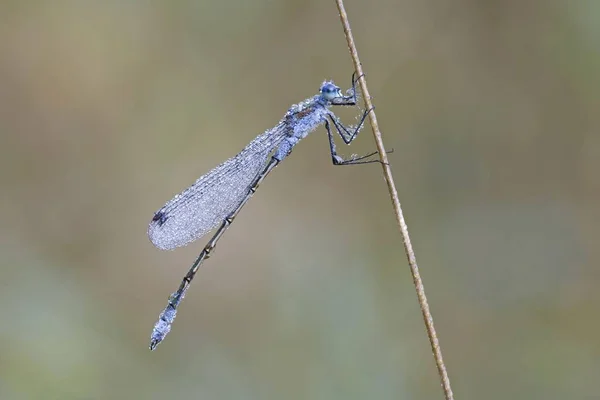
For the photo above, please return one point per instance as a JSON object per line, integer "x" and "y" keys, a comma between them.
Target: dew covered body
{"x": 217, "y": 197}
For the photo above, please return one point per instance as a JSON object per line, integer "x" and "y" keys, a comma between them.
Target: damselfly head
{"x": 330, "y": 91}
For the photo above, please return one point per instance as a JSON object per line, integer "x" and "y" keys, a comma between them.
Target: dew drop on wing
{"x": 203, "y": 206}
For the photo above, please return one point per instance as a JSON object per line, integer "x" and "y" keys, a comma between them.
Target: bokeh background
{"x": 107, "y": 109}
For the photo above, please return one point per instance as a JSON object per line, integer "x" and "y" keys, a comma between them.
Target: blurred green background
{"x": 107, "y": 109}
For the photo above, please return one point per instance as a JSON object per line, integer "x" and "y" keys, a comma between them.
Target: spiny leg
{"x": 335, "y": 158}
{"x": 344, "y": 132}
{"x": 353, "y": 85}
{"x": 338, "y": 160}
{"x": 167, "y": 317}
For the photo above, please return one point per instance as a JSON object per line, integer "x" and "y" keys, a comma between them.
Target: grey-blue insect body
{"x": 303, "y": 118}
{"x": 217, "y": 197}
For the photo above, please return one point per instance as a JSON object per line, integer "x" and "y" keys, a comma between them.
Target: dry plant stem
{"x": 387, "y": 173}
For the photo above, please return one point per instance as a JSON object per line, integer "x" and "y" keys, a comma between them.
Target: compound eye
{"x": 330, "y": 91}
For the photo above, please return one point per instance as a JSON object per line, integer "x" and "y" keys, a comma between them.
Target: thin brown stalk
{"x": 387, "y": 173}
